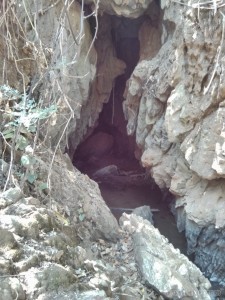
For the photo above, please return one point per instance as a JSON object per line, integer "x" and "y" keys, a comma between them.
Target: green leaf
{"x": 31, "y": 177}
{"x": 32, "y": 128}
{"x": 8, "y": 130}
{"x": 25, "y": 160}
{"x": 21, "y": 143}
{"x": 46, "y": 112}
{"x": 43, "y": 186}
{"x": 9, "y": 135}
{"x": 80, "y": 210}
{"x": 81, "y": 217}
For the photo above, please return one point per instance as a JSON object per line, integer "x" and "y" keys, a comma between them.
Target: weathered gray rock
{"x": 176, "y": 111}
{"x": 7, "y": 240}
{"x": 163, "y": 267}
{"x": 144, "y": 212}
{"x": 81, "y": 198}
{"x": 203, "y": 222}
{"x": 6, "y": 266}
{"x": 9, "y": 252}
{"x": 207, "y": 160}
{"x": 11, "y": 288}
{"x": 4, "y": 167}
{"x": 131, "y": 9}
{"x": 79, "y": 257}
{"x": 106, "y": 171}
{"x": 20, "y": 226}
{"x": 95, "y": 295}
{"x": 129, "y": 293}
{"x": 52, "y": 277}
{"x": 10, "y": 196}
{"x": 108, "y": 68}
{"x": 32, "y": 201}
{"x": 37, "y": 243}
{"x": 27, "y": 263}
{"x": 74, "y": 295}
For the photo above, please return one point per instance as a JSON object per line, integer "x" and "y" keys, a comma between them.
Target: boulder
{"x": 10, "y": 196}
{"x": 80, "y": 197}
{"x": 106, "y": 171}
{"x": 144, "y": 212}
{"x": 96, "y": 146}
{"x": 11, "y": 288}
{"x": 161, "y": 265}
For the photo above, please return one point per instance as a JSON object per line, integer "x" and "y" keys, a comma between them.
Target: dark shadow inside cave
{"x": 108, "y": 155}
{"x": 109, "y": 143}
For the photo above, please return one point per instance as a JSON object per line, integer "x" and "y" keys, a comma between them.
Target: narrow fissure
{"x": 108, "y": 155}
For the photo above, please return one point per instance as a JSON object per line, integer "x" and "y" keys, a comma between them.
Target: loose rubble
{"x": 45, "y": 256}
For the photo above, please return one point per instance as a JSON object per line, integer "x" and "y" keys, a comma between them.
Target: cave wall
{"x": 46, "y": 51}
{"x": 174, "y": 99}
{"x": 108, "y": 67}
{"x": 175, "y": 106}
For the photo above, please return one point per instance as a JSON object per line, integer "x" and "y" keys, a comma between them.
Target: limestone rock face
{"x": 73, "y": 61}
{"x": 46, "y": 250}
{"x": 175, "y": 107}
{"x": 53, "y": 62}
{"x": 108, "y": 67}
{"x": 144, "y": 212}
{"x": 126, "y": 8}
{"x": 203, "y": 146}
{"x": 81, "y": 197}
{"x": 200, "y": 212}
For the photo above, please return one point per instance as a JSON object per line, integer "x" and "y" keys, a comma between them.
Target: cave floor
{"x": 130, "y": 197}
{"x": 125, "y": 197}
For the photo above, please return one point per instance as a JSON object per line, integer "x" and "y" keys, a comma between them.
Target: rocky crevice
{"x": 174, "y": 108}
{"x": 182, "y": 142}
{"x": 174, "y": 102}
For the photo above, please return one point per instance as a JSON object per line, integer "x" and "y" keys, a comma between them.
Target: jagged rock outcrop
{"x": 52, "y": 61}
{"x": 45, "y": 255}
{"x": 127, "y": 8}
{"x": 79, "y": 195}
{"x": 175, "y": 106}
{"x": 144, "y": 212}
{"x": 108, "y": 68}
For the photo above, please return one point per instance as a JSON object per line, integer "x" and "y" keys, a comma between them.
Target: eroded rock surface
{"x": 144, "y": 212}
{"x": 175, "y": 106}
{"x": 47, "y": 255}
{"x": 161, "y": 266}
{"x": 80, "y": 195}
{"x": 127, "y": 8}
{"x": 52, "y": 61}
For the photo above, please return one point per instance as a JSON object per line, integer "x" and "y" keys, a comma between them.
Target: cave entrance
{"x": 109, "y": 156}
{"x": 109, "y": 143}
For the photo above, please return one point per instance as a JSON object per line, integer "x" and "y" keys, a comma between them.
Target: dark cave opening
{"x": 109, "y": 142}
{"x": 108, "y": 154}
